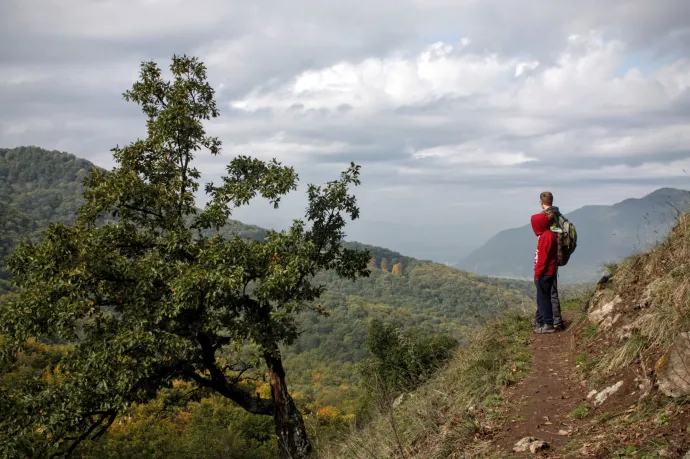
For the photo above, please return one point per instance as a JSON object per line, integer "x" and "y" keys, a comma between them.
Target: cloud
{"x": 578, "y": 113}
{"x": 450, "y": 106}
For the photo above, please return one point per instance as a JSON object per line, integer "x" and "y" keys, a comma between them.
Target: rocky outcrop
{"x": 600, "y": 397}
{"x": 603, "y": 312}
{"x": 673, "y": 369}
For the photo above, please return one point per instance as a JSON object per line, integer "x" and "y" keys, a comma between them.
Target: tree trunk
{"x": 292, "y": 434}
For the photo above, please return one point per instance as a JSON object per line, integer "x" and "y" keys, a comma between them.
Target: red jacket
{"x": 546, "y": 256}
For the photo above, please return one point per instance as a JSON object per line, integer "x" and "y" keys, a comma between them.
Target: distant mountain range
{"x": 605, "y": 234}
{"x": 38, "y": 187}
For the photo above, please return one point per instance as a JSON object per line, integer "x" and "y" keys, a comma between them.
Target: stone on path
{"x": 531, "y": 444}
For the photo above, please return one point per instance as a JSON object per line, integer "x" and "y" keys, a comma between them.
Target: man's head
{"x": 546, "y": 199}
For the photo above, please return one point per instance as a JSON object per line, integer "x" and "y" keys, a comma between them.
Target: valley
{"x": 43, "y": 187}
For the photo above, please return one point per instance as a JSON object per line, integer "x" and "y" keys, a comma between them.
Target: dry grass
{"x": 444, "y": 416}
{"x": 655, "y": 287}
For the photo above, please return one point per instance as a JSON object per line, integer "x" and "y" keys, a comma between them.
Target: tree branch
{"x": 161, "y": 101}
{"x": 222, "y": 341}
{"x": 108, "y": 414}
{"x": 220, "y": 384}
{"x": 144, "y": 211}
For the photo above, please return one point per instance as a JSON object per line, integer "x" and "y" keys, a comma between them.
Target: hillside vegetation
{"x": 619, "y": 378}
{"x": 322, "y": 364}
{"x": 442, "y": 418}
{"x": 42, "y": 187}
{"x": 39, "y": 187}
{"x": 635, "y": 337}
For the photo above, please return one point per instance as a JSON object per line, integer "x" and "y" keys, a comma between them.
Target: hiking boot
{"x": 546, "y": 328}
{"x": 559, "y": 326}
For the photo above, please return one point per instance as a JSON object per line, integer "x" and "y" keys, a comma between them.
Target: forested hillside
{"x": 431, "y": 297}
{"x": 39, "y": 187}
{"x": 321, "y": 364}
{"x": 44, "y": 186}
{"x": 13, "y": 226}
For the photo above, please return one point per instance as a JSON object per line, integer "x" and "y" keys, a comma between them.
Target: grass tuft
{"x": 656, "y": 288}
{"x": 580, "y": 412}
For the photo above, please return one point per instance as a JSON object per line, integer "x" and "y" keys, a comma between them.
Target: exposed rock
{"x": 625, "y": 332}
{"x": 564, "y": 433}
{"x": 673, "y": 369}
{"x": 591, "y": 394}
{"x": 599, "y": 314}
{"x": 532, "y": 444}
{"x": 523, "y": 445}
{"x": 645, "y": 385}
{"x": 538, "y": 445}
{"x": 599, "y": 297}
{"x": 609, "y": 321}
{"x": 398, "y": 400}
{"x": 604, "y": 394}
{"x": 648, "y": 294}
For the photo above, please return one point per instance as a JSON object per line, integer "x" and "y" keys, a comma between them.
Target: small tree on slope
{"x": 150, "y": 296}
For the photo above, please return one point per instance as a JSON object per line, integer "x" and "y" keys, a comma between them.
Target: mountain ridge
{"x": 605, "y": 234}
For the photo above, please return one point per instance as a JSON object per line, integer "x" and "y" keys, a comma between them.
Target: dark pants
{"x": 556, "y": 303}
{"x": 544, "y": 308}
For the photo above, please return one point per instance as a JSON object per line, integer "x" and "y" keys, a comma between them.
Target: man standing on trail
{"x": 545, "y": 269}
{"x": 546, "y": 202}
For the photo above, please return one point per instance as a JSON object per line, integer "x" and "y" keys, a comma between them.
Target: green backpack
{"x": 567, "y": 239}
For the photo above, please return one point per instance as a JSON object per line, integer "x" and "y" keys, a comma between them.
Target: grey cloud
{"x": 262, "y": 45}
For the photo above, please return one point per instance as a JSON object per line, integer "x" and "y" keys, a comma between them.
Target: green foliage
{"x": 45, "y": 185}
{"x": 400, "y": 360}
{"x": 322, "y": 362}
{"x": 628, "y": 451}
{"x": 590, "y": 331}
{"x": 493, "y": 400}
{"x": 213, "y": 425}
{"x": 39, "y": 187}
{"x": 146, "y": 296}
{"x": 428, "y": 296}
{"x": 580, "y": 412}
{"x": 14, "y": 226}
{"x": 437, "y": 419}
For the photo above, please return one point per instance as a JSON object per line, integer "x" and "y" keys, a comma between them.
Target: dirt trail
{"x": 540, "y": 405}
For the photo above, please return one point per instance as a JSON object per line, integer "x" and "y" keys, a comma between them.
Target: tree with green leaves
{"x": 399, "y": 360}
{"x": 144, "y": 291}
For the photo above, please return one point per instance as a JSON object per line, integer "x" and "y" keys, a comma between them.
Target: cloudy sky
{"x": 459, "y": 111}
